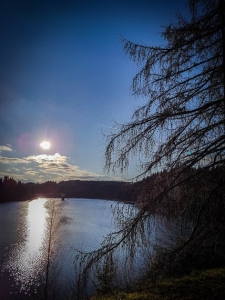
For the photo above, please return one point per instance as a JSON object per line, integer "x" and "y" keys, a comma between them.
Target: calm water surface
{"x": 29, "y": 229}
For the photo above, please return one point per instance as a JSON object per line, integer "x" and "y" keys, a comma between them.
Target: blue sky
{"x": 64, "y": 78}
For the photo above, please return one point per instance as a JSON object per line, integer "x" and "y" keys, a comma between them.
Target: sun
{"x": 45, "y": 145}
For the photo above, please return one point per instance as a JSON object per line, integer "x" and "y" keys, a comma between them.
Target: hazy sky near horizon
{"x": 64, "y": 78}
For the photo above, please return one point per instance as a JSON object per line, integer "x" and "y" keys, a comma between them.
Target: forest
{"x": 129, "y": 192}
{"x": 12, "y": 190}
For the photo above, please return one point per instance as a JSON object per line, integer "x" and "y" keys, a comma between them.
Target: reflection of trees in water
{"x": 50, "y": 277}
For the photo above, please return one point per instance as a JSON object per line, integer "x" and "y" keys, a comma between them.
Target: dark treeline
{"x": 11, "y": 190}
{"x": 141, "y": 191}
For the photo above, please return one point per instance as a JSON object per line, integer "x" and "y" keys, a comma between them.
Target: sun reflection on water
{"x": 26, "y": 259}
{"x": 36, "y": 224}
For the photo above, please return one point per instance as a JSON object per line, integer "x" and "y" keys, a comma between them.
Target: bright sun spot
{"x": 45, "y": 145}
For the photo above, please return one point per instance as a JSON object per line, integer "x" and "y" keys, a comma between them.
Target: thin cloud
{"x": 31, "y": 172}
{"x": 12, "y": 160}
{"x": 56, "y": 158}
{"x": 48, "y": 167}
{"x": 5, "y": 148}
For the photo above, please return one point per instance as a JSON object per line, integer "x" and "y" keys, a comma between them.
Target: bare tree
{"x": 183, "y": 119}
{"x": 180, "y": 129}
{"x": 50, "y": 276}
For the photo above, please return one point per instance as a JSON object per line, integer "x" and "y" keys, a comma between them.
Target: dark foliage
{"x": 179, "y": 131}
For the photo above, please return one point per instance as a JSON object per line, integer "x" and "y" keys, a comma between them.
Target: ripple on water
{"x": 24, "y": 261}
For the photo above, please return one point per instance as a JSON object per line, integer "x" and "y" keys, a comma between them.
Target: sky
{"x": 65, "y": 79}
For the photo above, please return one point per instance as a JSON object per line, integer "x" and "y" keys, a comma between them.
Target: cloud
{"x": 44, "y": 158}
{"x": 12, "y": 160}
{"x": 5, "y": 148}
{"x": 45, "y": 167}
{"x": 31, "y": 172}
{"x": 52, "y": 165}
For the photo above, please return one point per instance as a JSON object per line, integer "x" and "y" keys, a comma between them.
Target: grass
{"x": 208, "y": 284}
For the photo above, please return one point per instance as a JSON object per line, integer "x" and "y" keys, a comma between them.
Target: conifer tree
{"x": 183, "y": 120}
{"x": 180, "y": 131}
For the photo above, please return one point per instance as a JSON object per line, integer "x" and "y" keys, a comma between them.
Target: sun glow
{"x": 45, "y": 145}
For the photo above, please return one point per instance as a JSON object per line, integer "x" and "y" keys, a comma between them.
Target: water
{"x": 33, "y": 233}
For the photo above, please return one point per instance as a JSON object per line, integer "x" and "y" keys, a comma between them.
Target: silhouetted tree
{"x": 183, "y": 119}
{"x": 180, "y": 129}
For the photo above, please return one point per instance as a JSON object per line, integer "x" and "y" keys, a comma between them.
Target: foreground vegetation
{"x": 207, "y": 284}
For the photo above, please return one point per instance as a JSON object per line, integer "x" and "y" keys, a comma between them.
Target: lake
{"x": 39, "y": 237}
